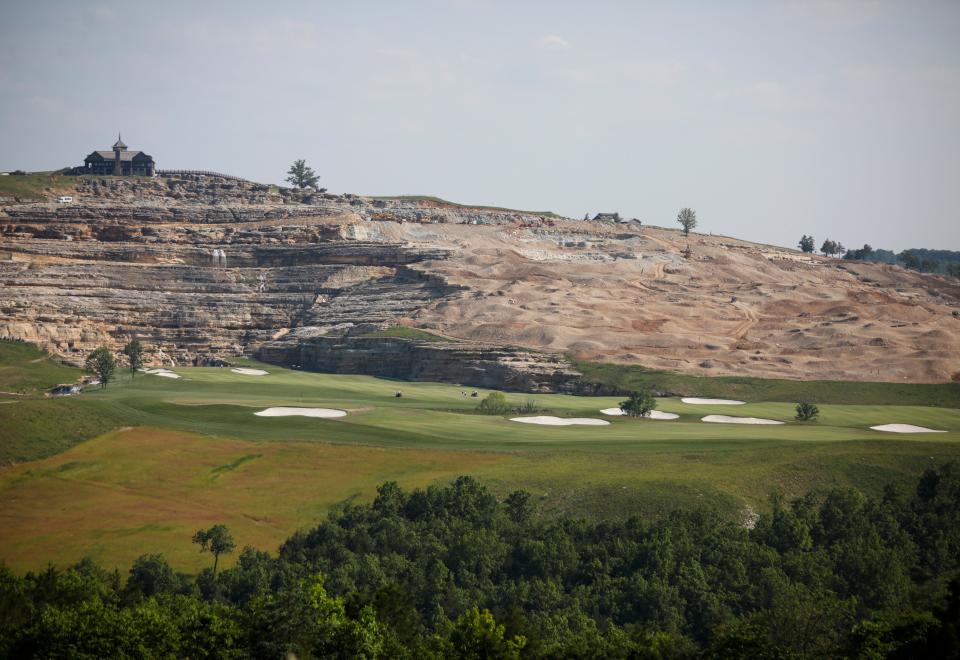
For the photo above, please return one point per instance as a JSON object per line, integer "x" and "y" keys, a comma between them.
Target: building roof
{"x": 119, "y": 143}
{"x": 124, "y": 155}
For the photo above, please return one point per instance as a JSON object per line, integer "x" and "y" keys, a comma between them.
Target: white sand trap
{"x": 547, "y": 420}
{"x": 654, "y": 414}
{"x": 249, "y": 372}
{"x": 711, "y": 402}
{"x": 725, "y": 419}
{"x": 166, "y": 373}
{"x": 904, "y": 428}
{"x": 303, "y": 412}
{"x": 659, "y": 414}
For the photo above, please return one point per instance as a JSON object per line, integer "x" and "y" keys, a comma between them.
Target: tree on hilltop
{"x": 687, "y": 219}
{"x": 134, "y": 352}
{"x": 806, "y": 243}
{"x": 830, "y": 248}
{"x": 302, "y": 176}
{"x": 102, "y": 364}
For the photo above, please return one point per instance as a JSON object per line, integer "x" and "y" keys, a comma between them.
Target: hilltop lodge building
{"x": 119, "y": 162}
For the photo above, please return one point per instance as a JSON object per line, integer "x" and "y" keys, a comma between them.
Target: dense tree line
{"x": 452, "y": 572}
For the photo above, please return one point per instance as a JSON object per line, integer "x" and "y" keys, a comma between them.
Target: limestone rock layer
{"x": 199, "y": 267}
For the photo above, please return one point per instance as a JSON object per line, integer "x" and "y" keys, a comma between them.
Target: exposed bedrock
{"x": 475, "y": 365}
{"x": 200, "y": 267}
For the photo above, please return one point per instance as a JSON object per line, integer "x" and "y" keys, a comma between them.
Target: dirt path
{"x": 741, "y": 329}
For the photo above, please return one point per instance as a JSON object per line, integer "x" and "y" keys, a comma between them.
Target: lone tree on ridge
{"x": 687, "y": 219}
{"x": 640, "y": 404}
{"x": 217, "y": 540}
{"x": 102, "y": 364}
{"x": 302, "y": 176}
{"x": 134, "y": 352}
{"x": 806, "y": 243}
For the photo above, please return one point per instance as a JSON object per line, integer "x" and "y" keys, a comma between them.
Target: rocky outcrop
{"x": 203, "y": 267}
{"x": 199, "y": 266}
{"x": 474, "y": 365}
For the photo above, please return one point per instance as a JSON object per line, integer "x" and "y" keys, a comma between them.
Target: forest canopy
{"x": 450, "y": 571}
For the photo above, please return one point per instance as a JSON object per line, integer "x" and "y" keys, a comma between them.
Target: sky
{"x": 839, "y": 119}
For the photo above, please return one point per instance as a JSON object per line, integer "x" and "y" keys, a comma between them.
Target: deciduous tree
{"x": 640, "y": 404}
{"x": 217, "y": 540}
{"x": 134, "y": 352}
{"x": 687, "y": 218}
{"x": 102, "y": 364}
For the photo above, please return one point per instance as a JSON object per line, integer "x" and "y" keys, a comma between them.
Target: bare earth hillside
{"x": 200, "y": 268}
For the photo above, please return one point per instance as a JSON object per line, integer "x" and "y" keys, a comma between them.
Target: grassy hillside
{"x": 404, "y": 332}
{"x": 632, "y": 377}
{"x": 33, "y": 426}
{"x": 191, "y": 453}
{"x": 444, "y": 202}
{"x": 25, "y": 369}
{"x": 37, "y": 185}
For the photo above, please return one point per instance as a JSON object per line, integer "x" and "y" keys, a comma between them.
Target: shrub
{"x": 494, "y": 403}
{"x": 528, "y": 406}
{"x": 640, "y": 404}
{"x": 807, "y": 412}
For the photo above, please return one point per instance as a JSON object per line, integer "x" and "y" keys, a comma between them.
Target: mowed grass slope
{"x": 633, "y": 377}
{"x": 25, "y": 369}
{"x": 437, "y": 416}
{"x": 190, "y": 452}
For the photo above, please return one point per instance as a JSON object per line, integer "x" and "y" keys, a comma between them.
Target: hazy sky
{"x": 771, "y": 119}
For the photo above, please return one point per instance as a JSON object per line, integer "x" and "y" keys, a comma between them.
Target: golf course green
{"x": 146, "y": 461}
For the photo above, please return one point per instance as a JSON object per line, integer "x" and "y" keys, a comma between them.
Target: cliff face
{"x": 200, "y": 267}
{"x": 476, "y": 365}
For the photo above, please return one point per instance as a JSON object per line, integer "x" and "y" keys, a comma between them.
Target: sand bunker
{"x": 302, "y": 412}
{"x": 724, "y": 419}
{"x": 711, "y": 402}
{"x": 166, "y": 373}
{"x": 249, "y": 372}
{"x": 659, "y": 414}
{"x": 654, "y": 414}
{"x": 904, "y": 428}
{"x": 547, "y": 420}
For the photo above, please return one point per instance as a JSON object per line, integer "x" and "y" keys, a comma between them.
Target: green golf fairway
{"x": 190, "y": 452}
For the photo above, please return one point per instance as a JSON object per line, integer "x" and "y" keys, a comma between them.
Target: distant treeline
{"x": 920, "y": 259}
{"x": 451, "y": 572}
